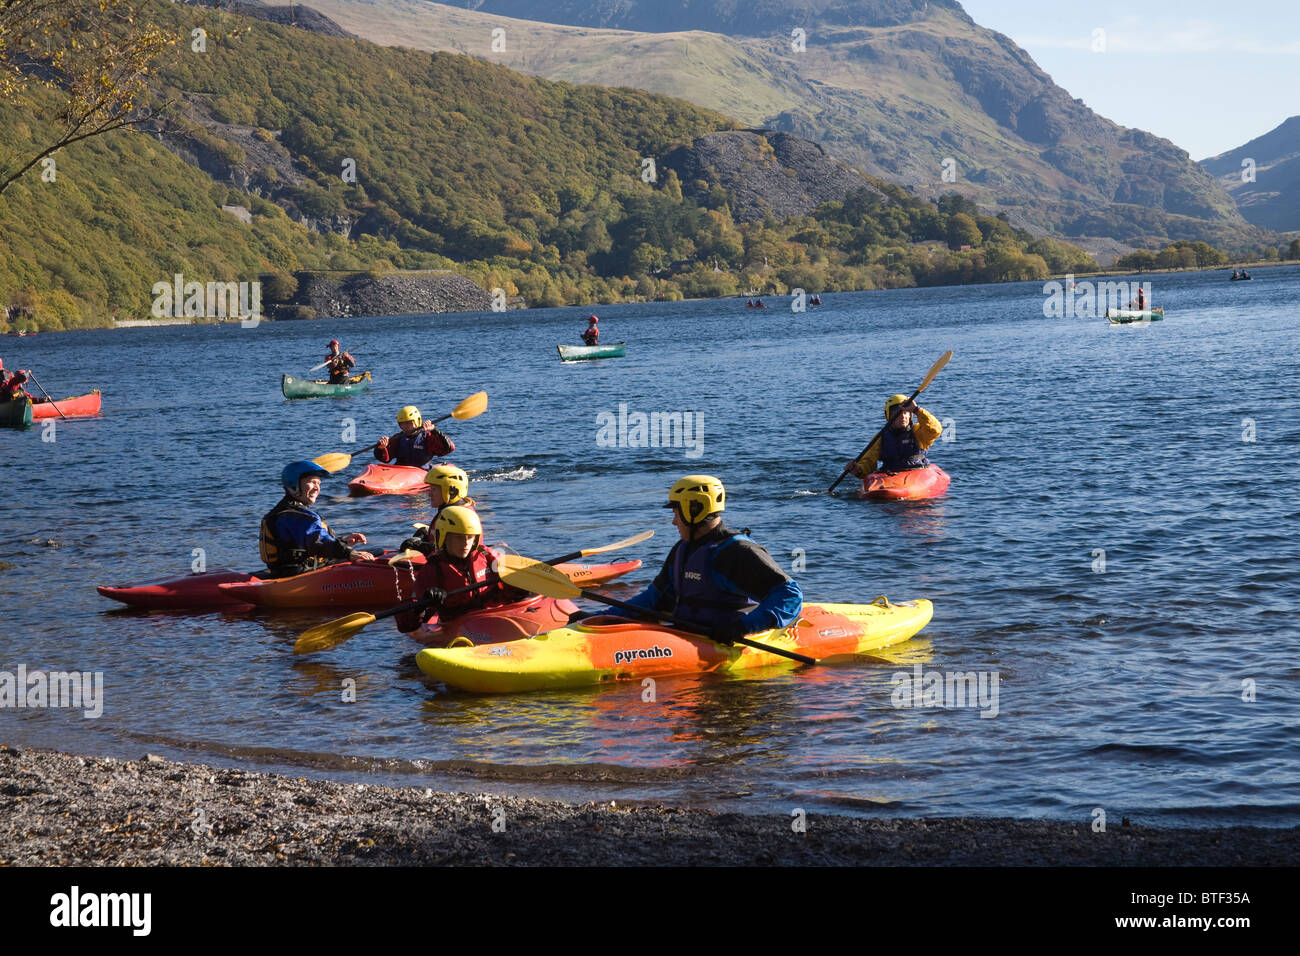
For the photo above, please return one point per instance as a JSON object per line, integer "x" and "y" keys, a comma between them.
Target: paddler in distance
{"x": 901, "y": 447}
{"x": 459, "y": 560}
{"x": 417, "y": 444}
{"x": 592, "y": 335}
{"x": 339, "y": 363}
{"x": 293, "y": 538}
{"x": 719, "y": 579}
{"x": 448, "y": 485}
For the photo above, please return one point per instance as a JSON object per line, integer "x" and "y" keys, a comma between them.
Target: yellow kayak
{"x": 617, "y": 649}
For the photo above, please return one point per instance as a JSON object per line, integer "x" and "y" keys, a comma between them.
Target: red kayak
{"x": 388, "y": 480}
{"x": 184, "y": 593}
{"x": 78, "y": 406}
{"x": 495, "y": 625}
{"x": 375, "y": 584}
{"x": 914, "y": 485}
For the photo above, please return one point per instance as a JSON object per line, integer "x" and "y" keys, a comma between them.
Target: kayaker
{"x": 715, "y": 577}
{"x": 417, "y": 444}
{"x": 459, "y": 560}
{"x": 339, "y": 363}
{"x": 592, "y": 335}
{"x": 294, "y": 538}
{"x": 902, "y": 445}
{"x": 1142, "y": 300}
{"x": 448, "y": 485}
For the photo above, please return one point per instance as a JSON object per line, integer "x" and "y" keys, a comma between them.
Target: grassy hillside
{"x": 904, "y": 87}
{"x": 515, "y": 182}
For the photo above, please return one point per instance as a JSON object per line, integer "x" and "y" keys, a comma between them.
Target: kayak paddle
{"x": 934, "y": 370}
{"x": 541, "y": 578}
{"x": 322, "y": 637}
{"x": 471, "y": 407}
{"x": 625, "y": 543}
{"x": 47, "y": 395}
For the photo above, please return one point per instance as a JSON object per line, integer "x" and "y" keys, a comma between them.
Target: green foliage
{"x": 1182, "y": 254}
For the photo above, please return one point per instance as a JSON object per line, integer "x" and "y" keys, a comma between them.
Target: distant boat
{"x": 1125, "y": 316}
{"x": 579, "y": 353}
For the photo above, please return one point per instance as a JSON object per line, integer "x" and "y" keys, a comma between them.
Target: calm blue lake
{"x": 1118, "y": 546}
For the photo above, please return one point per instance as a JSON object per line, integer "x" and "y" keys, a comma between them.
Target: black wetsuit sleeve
{"x": 748, "y": 566}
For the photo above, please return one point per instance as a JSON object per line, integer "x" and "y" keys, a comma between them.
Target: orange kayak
{"x": 915, "y": 485}
{"x": 388, "y": 480}
{"x": 496, "y": 625}
{"x": 76, "y": 407}
{"x": 375, "y": 584}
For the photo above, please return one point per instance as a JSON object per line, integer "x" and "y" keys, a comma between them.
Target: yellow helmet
{"x": 455, "y": 520}
{"x": 453, "y": 482}
{"x": 410, "y": 413}
{"x": 697, "y": 497}
{"x": 890, "y": 403}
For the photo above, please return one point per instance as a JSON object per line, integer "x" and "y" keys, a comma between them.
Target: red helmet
{"x": 21, "y": 375}
{"x": 334, "y": 343}
{"x": 593, "y": 320}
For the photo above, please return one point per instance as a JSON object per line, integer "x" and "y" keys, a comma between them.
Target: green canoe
{"x": 577, "y": 353}
{"x": 1125, "y": 316}
{"x": 16, "y": 413}
{"x": 306, "y": 388}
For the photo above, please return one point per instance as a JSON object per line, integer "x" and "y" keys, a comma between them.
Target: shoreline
{"x": 59, "y": 809}
{"x": 145, "y": 323}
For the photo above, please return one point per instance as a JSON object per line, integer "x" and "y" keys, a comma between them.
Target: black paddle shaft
{"x": 656, "y": 616}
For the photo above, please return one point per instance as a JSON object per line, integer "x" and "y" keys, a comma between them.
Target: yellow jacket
{"x": 926, "y": 429}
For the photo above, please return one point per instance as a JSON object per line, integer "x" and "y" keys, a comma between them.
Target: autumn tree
{"x": 94, "y": 53}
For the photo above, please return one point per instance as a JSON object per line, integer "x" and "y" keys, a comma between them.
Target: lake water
{"x": 1118, "y": 545}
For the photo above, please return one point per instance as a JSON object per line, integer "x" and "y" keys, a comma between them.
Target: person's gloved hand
{"x": 411, "y": 544}
{"x": 728, "y": 631}
{"x": 435, "y": 596}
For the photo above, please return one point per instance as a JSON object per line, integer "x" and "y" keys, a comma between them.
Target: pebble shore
{"x": 58, "y": 809}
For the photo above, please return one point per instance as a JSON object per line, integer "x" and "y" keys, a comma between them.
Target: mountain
{"x": 902, "y": 89}
{"x": 1270, "y": 194}
{"x": 289, "y": 149}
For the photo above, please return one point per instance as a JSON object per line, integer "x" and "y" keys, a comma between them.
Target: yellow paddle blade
{"x": 532, "y": 575}
{"x": 934, "y": 370}
{"x": 332, "y": 633}
{"x": 333, "y": 461}
{"x": 472, "y": 407}
{"x": 401, "y": 556}
{"x": 625, "y": 543}
{"x": 419, "y": 526}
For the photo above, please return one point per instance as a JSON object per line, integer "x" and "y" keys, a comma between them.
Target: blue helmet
{"x": 295, "y": 471}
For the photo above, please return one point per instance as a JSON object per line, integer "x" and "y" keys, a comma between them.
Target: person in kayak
{"x": 448, "y": 485}
{"x": 339, "y": 363}
{"x": 417, "y": 444}
{"x": 716, "y": 578}
{"x": 592, "y": 335}
{"x": 293, "y": 538}
{"x": 902, "y": 446}
{"x": 459, "y": 560}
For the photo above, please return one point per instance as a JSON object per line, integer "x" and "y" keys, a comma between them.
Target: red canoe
{"x": 374, "y": 584}
{"x": 76, "y": 407}
{"x": 914, "y": 485}
{"x": 495, "y": 625}
{"x": 388, "y": 480}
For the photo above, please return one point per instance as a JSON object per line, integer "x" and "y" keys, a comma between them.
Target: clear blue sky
{"x": 1206, "y": 74}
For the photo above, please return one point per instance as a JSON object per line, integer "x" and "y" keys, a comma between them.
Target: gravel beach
{"x": 59, "y": 809}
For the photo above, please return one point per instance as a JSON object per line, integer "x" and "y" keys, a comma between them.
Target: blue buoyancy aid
{"x": 703, "y": 595}
{"x": 900, "y": 451}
